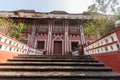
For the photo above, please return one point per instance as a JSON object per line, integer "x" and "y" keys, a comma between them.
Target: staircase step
{"x": 58, "y": 75}
{"x": 38, "y": 57}
{"x": 53, "y": 60}
{"x": 53, "y": 68}
{"x": 35, "y": 78}
{"x": 36, "y": 67}
{"x": 54, "y": 57}
{"x": 63, "y": 56}
{"x": 53, "y": 63}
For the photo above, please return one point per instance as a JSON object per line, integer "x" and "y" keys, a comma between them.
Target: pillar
{"x": 49, "y": 41}
{"x": 32, "y": 37}
{"x": 79, "y": 27}
{"x": 66, "y": 41}
{"x": 82, "y": 34}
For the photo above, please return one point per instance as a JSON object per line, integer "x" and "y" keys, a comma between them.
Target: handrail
{"x": 10, "y": 44}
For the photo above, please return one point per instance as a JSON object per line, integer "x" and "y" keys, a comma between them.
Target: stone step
{"x": 38, "y": 57}
{"x": 53, "y": 63}
{"x": 52, "y": 60}
{"x": 53, "y": 68}
{"x": 36, "y": 67}
{"x": 33, "y": 78}
{"x": 54, "y": 57}
{"x": 61, "y": 75}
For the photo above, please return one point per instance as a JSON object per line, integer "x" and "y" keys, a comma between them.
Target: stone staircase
{"x": 35, "y": 67}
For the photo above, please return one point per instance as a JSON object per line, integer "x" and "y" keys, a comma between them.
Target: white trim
{"x": 48, "y": 37}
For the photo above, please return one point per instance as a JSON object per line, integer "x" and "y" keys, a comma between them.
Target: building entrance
{"x": 74, "y": 45}
{"x": 57, "y": 48}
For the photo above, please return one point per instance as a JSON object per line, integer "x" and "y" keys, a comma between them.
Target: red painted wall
{"x": 4, "y": 55}
{"x": 111, "y": 59}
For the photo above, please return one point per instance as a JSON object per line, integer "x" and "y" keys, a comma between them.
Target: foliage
{"x": 99, "y": 26}
{"x": 118, "y": 17}
{"x": 75, "y": 48}
{"x": 102, "y": 23}
{"x": 105, "y": 6}
{"x": 5, "y": 25}
{"x": 8, "y": 27}
{"x": 17, "y": 30}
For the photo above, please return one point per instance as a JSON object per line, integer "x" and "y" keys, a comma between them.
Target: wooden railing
{"x": 74, "y": 31}
{"x": 42, "y": 30}
{"x": 11, "y": 45}
{"x": 28, "y": 30}
{"x": 58, "y": 30}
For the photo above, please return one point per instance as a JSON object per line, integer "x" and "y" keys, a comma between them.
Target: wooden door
{"x": 57, "y": 47}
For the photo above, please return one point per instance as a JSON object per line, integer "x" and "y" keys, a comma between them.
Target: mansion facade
{"x": 56, "y": 32}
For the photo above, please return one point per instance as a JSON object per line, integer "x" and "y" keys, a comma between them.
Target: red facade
{"x": 56, "y": 36}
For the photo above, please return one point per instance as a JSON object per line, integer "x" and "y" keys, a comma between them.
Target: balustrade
{"x": 107, "y": 44}
{"x": 58, "y": 30}
{"x": 42, "y": 30}
{"x": 74, "y": 31}
{"x": 11, "y": 45}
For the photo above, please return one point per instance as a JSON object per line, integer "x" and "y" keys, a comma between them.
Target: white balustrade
{"x": 107, "y": 44}
{"x": 11, "y": 45}
{"x": 75, "y": 53}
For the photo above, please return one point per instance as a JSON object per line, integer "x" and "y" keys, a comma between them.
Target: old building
{"x": 56, "y": 32}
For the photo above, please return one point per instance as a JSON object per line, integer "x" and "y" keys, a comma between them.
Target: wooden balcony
{"x": 42, "y": 30}
{"x": 58, "y": 31}
{"x": 74, "y": 31}
{"x": 28, "y": 30}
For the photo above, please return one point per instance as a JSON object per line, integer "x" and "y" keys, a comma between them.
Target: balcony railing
{"x": 74, "y": 31}
{"x": 27, "y": 30}
{"x": 58, "y": 30}
{"x": 42, "y": 30}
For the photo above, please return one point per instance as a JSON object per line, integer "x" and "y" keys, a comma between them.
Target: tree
{"x": 102, "y": 23}
{"x": 17, "y": 30}
{"x": 118, "y": 17}
{"x": 105, "y": 6}
{"x": 6, "y": 25}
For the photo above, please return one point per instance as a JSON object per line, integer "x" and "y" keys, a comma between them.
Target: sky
{"x": 71, "y": 6}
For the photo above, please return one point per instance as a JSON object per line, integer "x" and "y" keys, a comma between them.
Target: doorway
{"x": 74, "y": 45}
{"x": 57, "y": 48}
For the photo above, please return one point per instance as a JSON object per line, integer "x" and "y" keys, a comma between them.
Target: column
{"x": 32, "y": 38}
{"x": 66, "y": 25}
{"x": 82, "y": 34}
{"x": 36, "y": 38}
{"x": 49, "y": 37}
{"x": 51, "y": 43}
{"x": 78, "y": 25}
